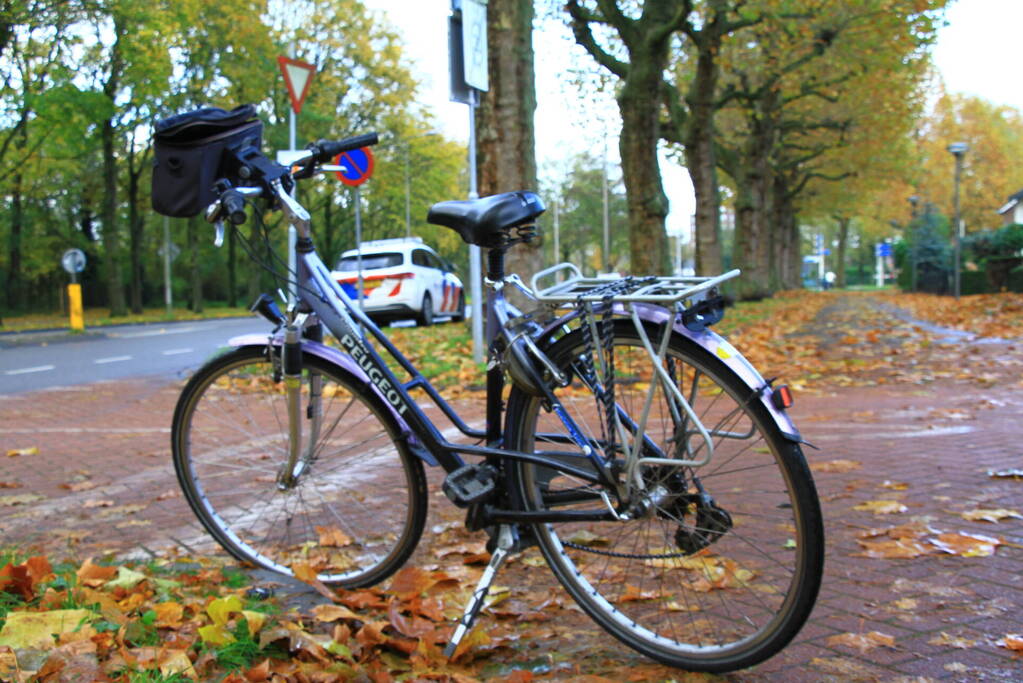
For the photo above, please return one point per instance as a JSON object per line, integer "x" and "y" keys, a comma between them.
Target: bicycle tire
{"x": 357, "y": 510}
{"x": 726, "y": 606}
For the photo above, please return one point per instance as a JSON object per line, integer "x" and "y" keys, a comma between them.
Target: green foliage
{"x": 974, "y": 282}
{"x": 74, "y": 65}
{"x": 924, "y": 257}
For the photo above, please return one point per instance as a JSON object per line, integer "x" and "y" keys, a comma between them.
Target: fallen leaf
{"x": 1011, "y": 641}
{"x": 908, "y": 604}
{"x": 333, "y": 537}
{"x": 169, "y": 614}
{"x": 882, "y": 507}
{"x": 864, "y": 642}
{"x": 328, "y": 613}
{"x": 966, "y": 545}
{"x": 35, "y": 630}
{"x": 15, "y": 452}
{"x": 9, "y": 485}
{"x": 126, "y": 578}
{"x": 982, "y": 515}
{"x": 1016, "y": 473}
{"x": 836, "y": 466}
{"x": 93, "y": 575}
{"x": 20, "y": 499}
{"x": 98, "y": 504}
{"x": 79, "y": 486}
{"x": 946, "y": 640}
{"x": 894, "y": 485}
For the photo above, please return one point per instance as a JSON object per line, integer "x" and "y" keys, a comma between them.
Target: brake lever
{"x": 218, "y": 236}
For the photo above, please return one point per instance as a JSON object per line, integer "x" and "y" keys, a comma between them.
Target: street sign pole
{"x": 292, "y": 233}
{"x": 880, "y": 266}
{"x": 167, "y": 290}
{"x": 467, "y": 51}
{"x": 297, "y": 77}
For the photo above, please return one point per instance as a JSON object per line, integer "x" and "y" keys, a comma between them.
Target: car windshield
{"x": 369, "y": 261}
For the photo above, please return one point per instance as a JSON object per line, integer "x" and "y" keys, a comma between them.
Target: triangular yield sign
{"x": 297, "y": 77}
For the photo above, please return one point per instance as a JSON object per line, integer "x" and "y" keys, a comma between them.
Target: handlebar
{"x": 325, "y": 150}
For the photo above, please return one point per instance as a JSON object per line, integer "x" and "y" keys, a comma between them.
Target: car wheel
{"x": 459, "y": 314}
{"x": 425, "y": 318}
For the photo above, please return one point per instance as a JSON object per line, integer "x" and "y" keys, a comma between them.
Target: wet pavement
{"x": 925, "y": 421}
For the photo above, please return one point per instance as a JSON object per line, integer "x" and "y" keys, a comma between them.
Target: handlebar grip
{"x": 234, "y": 206}
{"x": 325, "y": 150}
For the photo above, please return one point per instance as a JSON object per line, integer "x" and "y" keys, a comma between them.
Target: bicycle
{"x": 655, "y": 469}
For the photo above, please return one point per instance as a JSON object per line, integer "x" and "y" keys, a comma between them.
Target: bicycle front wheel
{"x": 718, "y": 566}
{"x": 356, "y": 508}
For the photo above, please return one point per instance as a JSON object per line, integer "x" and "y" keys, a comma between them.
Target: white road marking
{"x": 111, "y": 359}
{"x": 25, "y": 371}
{"x": 175, "y": 352}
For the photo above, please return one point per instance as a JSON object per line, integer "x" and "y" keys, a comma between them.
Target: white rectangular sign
{"x": 474, "y": 43}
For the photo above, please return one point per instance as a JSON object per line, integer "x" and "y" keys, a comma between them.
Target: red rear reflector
{"x": 781, "y": 397}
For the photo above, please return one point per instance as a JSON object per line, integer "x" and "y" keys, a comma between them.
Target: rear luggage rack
{"x": 665, "y": 291}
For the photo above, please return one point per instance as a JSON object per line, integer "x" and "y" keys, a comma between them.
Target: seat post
{"x": 495, "y": 264}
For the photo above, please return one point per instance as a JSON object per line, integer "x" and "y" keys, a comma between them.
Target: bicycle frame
{"x": 349, "y": 324}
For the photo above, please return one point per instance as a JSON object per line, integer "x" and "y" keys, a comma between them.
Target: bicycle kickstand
{"x": 505, "y": 540}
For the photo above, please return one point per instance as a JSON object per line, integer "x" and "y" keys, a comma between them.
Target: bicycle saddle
{"x": 484, "y": 221}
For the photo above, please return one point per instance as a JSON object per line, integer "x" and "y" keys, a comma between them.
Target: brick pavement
{"x": 940, "y": 434}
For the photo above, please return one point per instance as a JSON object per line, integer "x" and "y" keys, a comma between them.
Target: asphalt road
{"x": 40, "y": 360}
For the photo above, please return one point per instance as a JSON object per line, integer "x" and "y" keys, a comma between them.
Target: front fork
{"x": 291, "y": 365}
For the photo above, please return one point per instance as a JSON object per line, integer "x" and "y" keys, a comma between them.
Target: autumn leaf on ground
{"x": 219, "y": 611}
{"x": 93, "y": 575}
{"x": 36, "y": 630}
{"x": 882, "y": 507}
{"x": 1011, "y": 641}
{"x": 894, "y": 485}
{"x": 332, "y": 537}
{"x": 9, "y": 485}
{"x": 836, "y": 466}
{"x": 20, "y": 499}
{"x": 966, "y": 545}
{"x": 864, "y": 642}
{"x": 15, "y": 452}
{"x": 947, "y": 640}
{"x": 1006, "y": 474}
{"x": 23, "y": 578}
{"x": 981, "y": 515}
{"x": 306, "y": 574}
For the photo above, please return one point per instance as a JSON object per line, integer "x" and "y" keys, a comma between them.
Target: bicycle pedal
{"x": 470, "y": 484}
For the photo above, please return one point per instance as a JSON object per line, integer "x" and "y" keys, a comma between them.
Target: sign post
{"x": 297, "y": 77}
{"x": 467, "y": 45}
{"x": 353, "y": 169}
{"x": 73, "y": 262}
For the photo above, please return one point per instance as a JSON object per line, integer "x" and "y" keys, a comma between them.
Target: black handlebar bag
{"x": 189, "y": 155}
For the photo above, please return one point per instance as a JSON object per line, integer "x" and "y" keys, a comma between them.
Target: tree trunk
{"x": 111, "y": 238}
{"x": 701, "y": 158}
{"x": 195, "y": 273}
{"x": 232, "y": 270}
{"x": 14, "y": 280}
{"x": 754, "y": 180}
{"x": 135, "y": 226}
{"x": 506, "y": 142}
{"x": 843, "y": 241}
{"x": 639, "y": 103}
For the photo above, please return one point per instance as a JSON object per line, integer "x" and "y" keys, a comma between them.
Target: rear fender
{"x": 714, "y": 344}
{"x": 348, "y": 364}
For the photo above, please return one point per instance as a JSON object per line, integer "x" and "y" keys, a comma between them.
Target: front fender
{"x": 714, "y": 344}
{"x": 347, "y": 363}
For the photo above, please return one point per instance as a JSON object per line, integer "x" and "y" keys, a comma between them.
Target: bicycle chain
{"x": 624, "y": 556}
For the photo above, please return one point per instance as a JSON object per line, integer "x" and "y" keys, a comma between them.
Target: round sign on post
{"x": 73, "y": 261}
{"x": 358, "y": 166}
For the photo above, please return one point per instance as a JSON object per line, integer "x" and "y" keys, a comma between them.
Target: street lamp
{"x": 958, "y": 149}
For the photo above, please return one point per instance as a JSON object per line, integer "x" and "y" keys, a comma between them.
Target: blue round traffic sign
{"x": 358, "y": 166}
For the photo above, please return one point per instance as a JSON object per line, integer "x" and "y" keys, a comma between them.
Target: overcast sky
{"x": 977, "y": 53}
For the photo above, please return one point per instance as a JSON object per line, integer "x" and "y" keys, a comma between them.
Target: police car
{"x": 402, "y": 278}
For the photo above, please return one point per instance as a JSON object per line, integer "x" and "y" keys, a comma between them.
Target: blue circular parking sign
{"x": 358, "y": 166}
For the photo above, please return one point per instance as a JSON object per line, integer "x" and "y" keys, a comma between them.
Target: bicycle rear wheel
{"x": 358, "y": 507}
{"x": 708, "y": 583}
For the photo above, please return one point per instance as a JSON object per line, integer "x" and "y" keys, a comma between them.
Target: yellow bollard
{"x": 74, "y": 295}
